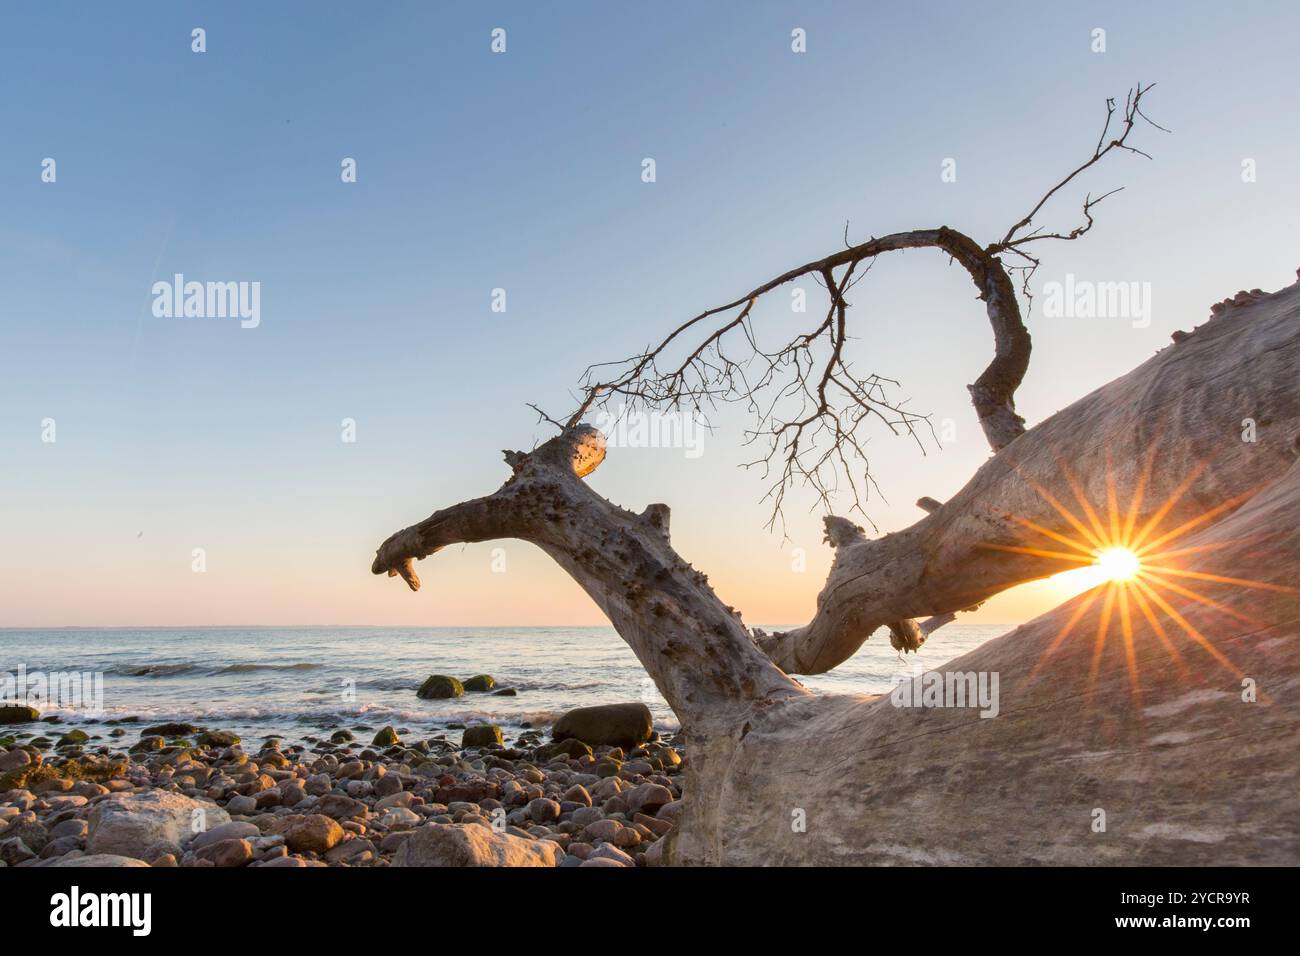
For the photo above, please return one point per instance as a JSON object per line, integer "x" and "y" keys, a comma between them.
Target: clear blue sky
{"x": 522, "y": 171}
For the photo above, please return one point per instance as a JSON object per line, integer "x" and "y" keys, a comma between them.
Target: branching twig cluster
{"x": 810, "y": 407}
{"x": 1017, "y": 238}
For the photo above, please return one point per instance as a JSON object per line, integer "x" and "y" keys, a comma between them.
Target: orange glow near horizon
{"x": 1130, "y": 568}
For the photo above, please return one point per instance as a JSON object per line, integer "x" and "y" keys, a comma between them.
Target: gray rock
{"x": 125, "y": 824}
{"x": 14, "y": 760}
{"x": 648, "y": 798}
{"x": 608, "y": 852}
{"x": 241, "y": 805}
{"x": 438, "y": 844}
{"x": 542, "y": 810}
{"x": 14, "y": 851}
{"x": 578, "y": 794}
{"x": 587, "y": 816}
{"x": 69, "y": 828}
{"x": 227, "y": 831}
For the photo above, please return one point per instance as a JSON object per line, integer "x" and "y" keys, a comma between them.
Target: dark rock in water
{"x": 505, "y": 692}
{"x": 620, "y": 725}
{"x": 386, "y": 738}
{"x": 18, "y": 714}
{"x": 117, "y": 732}
{"x": 482, "y": 735}
{"x": 52, "y": 719}
{"x": 146, "y": 744}
{"x": 480, "y": 682}
{"x": 440, "y": 687}
{"x": 342, "y": 737}
{"x": 176, "y": 729}
{"x": 73, "y": 737}
{"x": 217, "y": 738}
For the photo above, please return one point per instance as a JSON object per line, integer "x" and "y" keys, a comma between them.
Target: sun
{"x": 1127, "y": 567}
{"x": 1118, "y": 564}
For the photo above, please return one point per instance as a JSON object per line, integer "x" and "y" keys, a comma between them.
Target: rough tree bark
{"x": 1142, "y": 716}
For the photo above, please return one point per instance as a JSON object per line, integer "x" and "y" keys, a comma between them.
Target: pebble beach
{"x": 179, "y": 795}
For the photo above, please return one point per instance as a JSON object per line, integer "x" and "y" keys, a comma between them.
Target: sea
{"x": 295, "y": 682}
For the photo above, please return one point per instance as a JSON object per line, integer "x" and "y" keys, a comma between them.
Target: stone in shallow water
{"x": 217, "y": 738}
{"x": 440, "y": 687}
{"x": 18, "y": 714}
{"x": 480, "y": 682}
{"x": 170, "y": 730}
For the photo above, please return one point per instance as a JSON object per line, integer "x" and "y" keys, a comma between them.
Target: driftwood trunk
{"x": 1128, "y": 730}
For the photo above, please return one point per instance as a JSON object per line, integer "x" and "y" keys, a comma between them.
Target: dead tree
{"x": 1118, "y": 700}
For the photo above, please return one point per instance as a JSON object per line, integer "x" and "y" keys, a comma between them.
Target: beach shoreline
{"x": 182, "y": 795}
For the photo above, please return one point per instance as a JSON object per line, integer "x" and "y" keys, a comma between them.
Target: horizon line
{"x": 286, "y": 627}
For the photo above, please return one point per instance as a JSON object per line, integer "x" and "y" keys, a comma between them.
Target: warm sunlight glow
{"x": 1118, "y": 564}
{"x": 1134, "y": 570}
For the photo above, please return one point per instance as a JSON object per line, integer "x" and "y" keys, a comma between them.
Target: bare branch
{"x": 811, "y": 409}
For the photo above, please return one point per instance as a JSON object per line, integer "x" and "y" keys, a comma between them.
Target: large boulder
{"x": 619, "y": 725}
{"x": 470, "y": 844}
{"x": 440, "y": 687}
{"x": 480, "y": 682}
{"x": 18, "y": 714}
{"x": 127, "y": 824}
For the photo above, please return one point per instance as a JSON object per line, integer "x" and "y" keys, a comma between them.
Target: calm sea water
{"x": 297, "y": 681}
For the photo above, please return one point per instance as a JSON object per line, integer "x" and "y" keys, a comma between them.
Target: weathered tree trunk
{"x": 1102, "y": 706}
